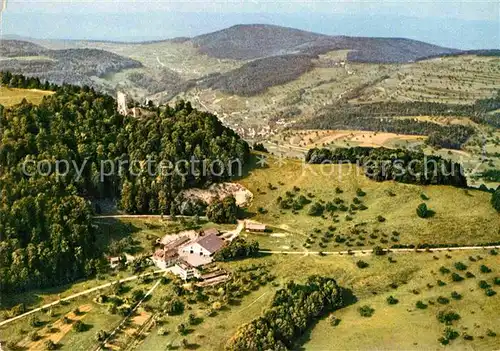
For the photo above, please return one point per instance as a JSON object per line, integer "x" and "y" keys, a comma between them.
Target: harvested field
{"x": 320, "y": 138}
{"x": 60, "y": 327}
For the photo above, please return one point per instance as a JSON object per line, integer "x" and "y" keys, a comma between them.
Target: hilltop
{"x": 246, "y": 42}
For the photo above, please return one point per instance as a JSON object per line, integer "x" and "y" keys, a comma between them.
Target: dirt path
{"x": 254, "y": 301}
{"x": 150, "y": 291}
{"x": 74, "y": 296}
{"x": 231, "y": 235}
{"x": 168, "y": 217}
{"x": 369, "y": 251}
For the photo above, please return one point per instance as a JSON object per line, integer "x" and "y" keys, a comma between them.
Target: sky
{"x": 461, "y": 24}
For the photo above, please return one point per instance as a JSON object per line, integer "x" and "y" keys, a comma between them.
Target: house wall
{"x": 162, "y": 264}
{"x": 195, "y": 249}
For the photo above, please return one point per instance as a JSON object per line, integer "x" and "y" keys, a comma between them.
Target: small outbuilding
{"x": 255, "y": 227}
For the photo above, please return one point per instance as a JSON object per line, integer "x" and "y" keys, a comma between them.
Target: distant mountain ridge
{"x": 248, "y": 42}
{"x": 263, "y": 56}
{"x": 73, "y": 66}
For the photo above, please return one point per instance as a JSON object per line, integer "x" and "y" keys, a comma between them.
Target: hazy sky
{"x": 472, "y": 10}
{"x": 460, "y": 24}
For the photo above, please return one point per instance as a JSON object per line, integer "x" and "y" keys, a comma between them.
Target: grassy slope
{"x": 462, "y": 217}
{"x": 13, "y": 96}
{"x": 355, "y": 332}
{"x": 403, "y": 326}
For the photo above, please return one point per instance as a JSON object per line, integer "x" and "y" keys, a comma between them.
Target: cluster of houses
{"x": 185, "y": 252}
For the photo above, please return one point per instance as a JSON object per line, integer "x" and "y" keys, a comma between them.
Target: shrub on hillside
{"x": 391, "y": 300}
{"x": 420, "y": 305}
{"x": 422, "y": 210}
{"x": 79, "y": 326}
{"x": 443, "y": 300}
{"x": 448, "y": 317}
{"x": 456, "y": 277}
{"x": 484, "y": 269}
{"x": 362, "y": 264}
{"x": 50, "y": 345}
{"x": 366, "y": 311}
{"x": 316, "y": 209}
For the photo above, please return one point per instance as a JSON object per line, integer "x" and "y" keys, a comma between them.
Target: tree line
{"x": 293, "y": 310}
{"x": 381, "y": 164}
{"x": 46, "y": 236}
{"x": 239, "y": 248}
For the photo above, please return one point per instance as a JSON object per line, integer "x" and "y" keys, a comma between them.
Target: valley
{"x": 299, "y": 234}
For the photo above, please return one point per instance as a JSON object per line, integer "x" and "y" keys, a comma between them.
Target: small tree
{"x": 378, "y": 251}
{"x": 366, "y": 311}
{"x": 456, "y": 277}
{"x": 101, "y": 336}
{"x": 35, "y": 321}
{"x": 50, "y": 345}
{"x": 443, "y": 300}
{"x": 422, "y": 210}
{"x": 391, "y": 300}
{"x": 79, "y": 326}
{"x": 334, "y": 321}
{"x": 448, "y": 317}
{"x": 420, "y": 305}
{"x": 181, "y": 329}
{"x": 460, "y": 266}
{"x": 361, "y": 264}
{"x": 34, "y": 336}
{"x": 484, "y": 269}
{"x": 192, "y": 319}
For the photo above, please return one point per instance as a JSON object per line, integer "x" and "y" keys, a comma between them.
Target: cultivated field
{"x": 462, "y": 79}
{"x": 346, "y": 138}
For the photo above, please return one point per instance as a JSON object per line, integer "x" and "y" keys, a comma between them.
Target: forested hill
{"x": 46, "y": 236}
{"x": 248, "y": 42}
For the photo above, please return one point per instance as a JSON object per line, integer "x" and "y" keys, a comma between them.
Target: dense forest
{"x": 381, "y": 116}
{"x": 256, "y": 76}
{"x": 403, "y": 166}
{"x": 292, "y": 311}
{"x": 46, "y": 236}
{"x": 491, "y": 175}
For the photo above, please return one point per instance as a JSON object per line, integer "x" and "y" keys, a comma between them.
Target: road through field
{"x": 369, "y": 251}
